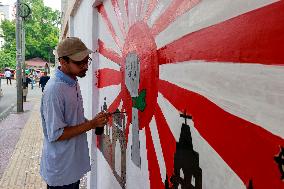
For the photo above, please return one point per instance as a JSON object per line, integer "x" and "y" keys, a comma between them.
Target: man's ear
{"x": 62, "y": 61}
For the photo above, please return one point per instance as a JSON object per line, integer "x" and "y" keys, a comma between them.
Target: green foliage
{"x": 8, "y": 53}
{"x": 7, "y": 60}
{"x": 42, "y": 33}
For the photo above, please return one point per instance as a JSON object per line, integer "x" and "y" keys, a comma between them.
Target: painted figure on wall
{"x": 187, "y": 173}
{"x": 132, "y": 79}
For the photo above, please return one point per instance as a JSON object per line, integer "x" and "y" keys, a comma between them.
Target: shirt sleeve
{"x": 53, "y": 113}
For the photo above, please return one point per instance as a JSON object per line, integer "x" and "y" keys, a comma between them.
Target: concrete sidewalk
{"x": 22, "y": 171}
{"x": 21, "y": 143}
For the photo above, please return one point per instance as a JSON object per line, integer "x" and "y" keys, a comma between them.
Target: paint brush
{"x": 117, "y": 113}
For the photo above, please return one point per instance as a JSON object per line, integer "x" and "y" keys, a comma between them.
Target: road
{"x": 9, "y": 97}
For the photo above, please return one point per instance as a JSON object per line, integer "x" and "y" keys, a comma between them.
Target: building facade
{"x": 5, "y": 13}
{"x": 197, "y": 89}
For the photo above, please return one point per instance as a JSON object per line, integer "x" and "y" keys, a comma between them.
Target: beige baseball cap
{"x": 73, "y": 48}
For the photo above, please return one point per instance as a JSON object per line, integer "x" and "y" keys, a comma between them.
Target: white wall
{"x": 82, "y": 25}
{"x": 221, "y": 83}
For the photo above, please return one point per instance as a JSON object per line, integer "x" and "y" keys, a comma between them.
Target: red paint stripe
{"x": 102, "y": 11}
{"x": 175, "y": 9}
{"x": 255, "y": 37}
{"x": 153, "y": 166}
{"x": 115, "y": 104}
{"x": 168, "y": 142}
{"x": 108, "y": 53}
{"x": 152, "y": 5}
{"x": 118, "y": 16}
{"x": 126, "y": 8}
{"x": 247, "y": 148}
{"x": 108, "y": 77}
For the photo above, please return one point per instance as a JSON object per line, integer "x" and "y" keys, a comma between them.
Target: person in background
{"x": 8, "y": 75}
{"x": 43, "y": 80}
{"x": 26, "y": 83}
{"x": 65, "y": 154}
{"x": 32, "y": 79}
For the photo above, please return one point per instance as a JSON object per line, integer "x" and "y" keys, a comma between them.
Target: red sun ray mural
{"x": 175, "y": 9}
{"x": 108, "y": 77}
{"x": 108, "y": 53}
{"x": 245, "y": 150}
{"x": 220, "y": 128}
{"x": 229, "y": 41}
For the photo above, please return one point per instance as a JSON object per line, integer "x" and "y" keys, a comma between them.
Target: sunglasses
{"x": 83, "y": 63}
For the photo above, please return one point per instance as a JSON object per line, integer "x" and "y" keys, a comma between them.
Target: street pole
{"x": 23, "y": 59}
{"x": 23, "y": 50}
{"x": 19, "y": 59}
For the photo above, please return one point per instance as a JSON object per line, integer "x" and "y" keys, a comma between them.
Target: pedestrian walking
{"x": 43, "y": 80}
{"x": 1, "y": 92}
{"x": 26, "y": 83}
{"x": 8, "y": 75}
{"x": 65, "y": 154}
{"x": 32, "y": 79}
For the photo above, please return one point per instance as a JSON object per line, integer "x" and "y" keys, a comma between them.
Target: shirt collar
{"x": 65, "y": 78}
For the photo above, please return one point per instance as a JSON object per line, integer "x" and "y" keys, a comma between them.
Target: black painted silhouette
{"x": 280, "y": 161}
{"x": 250, "y": 185}
{"x": 186, "y": 160}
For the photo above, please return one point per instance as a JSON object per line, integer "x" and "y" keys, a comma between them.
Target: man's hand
{"x": 100, "y": 120}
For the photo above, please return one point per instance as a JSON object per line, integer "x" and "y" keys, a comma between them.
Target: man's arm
{"x": 99, "y": 121}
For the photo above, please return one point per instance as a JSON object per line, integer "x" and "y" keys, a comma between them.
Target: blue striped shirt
{"x": 63, "y": 162}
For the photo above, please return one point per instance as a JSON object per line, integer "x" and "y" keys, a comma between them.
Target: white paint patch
{"x": 136, "y": 11}
{"x": 135, "y": 177}
{"x": 159, "y": 10}
{"x": 105, "y": 177}
{"x": 135, "y": 4}
{"x": 105, "y": 132}
{"x": 207, "y": 13}
{"x": 123, "y": 15}
{"x": 110, "y": 133}
{"x": 120, "y": 106}
{"x": 110, "y": 93}
{"x": 216, "y": 173}
{"x": 106, "y": 37}
{"x": 253, "y": 92}
{"x": 158, "y": 148}
{"x": 114, "y": 22}
{"x": 181, "y": 173}
{"x": 171, "y": 114}
{"x": 132, "y": 12}
{"x": 144, "y": 9}
{"x": 107, "y": 63}
{"x": 118, "y": 158}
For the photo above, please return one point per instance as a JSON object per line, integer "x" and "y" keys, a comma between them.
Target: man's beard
{"x": 82, "y": 74}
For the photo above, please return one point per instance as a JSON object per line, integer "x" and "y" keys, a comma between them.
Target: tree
{"x": 7, "y": 54}
{"x": 42, "y": 33}
{"x": 7, "y": 60}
